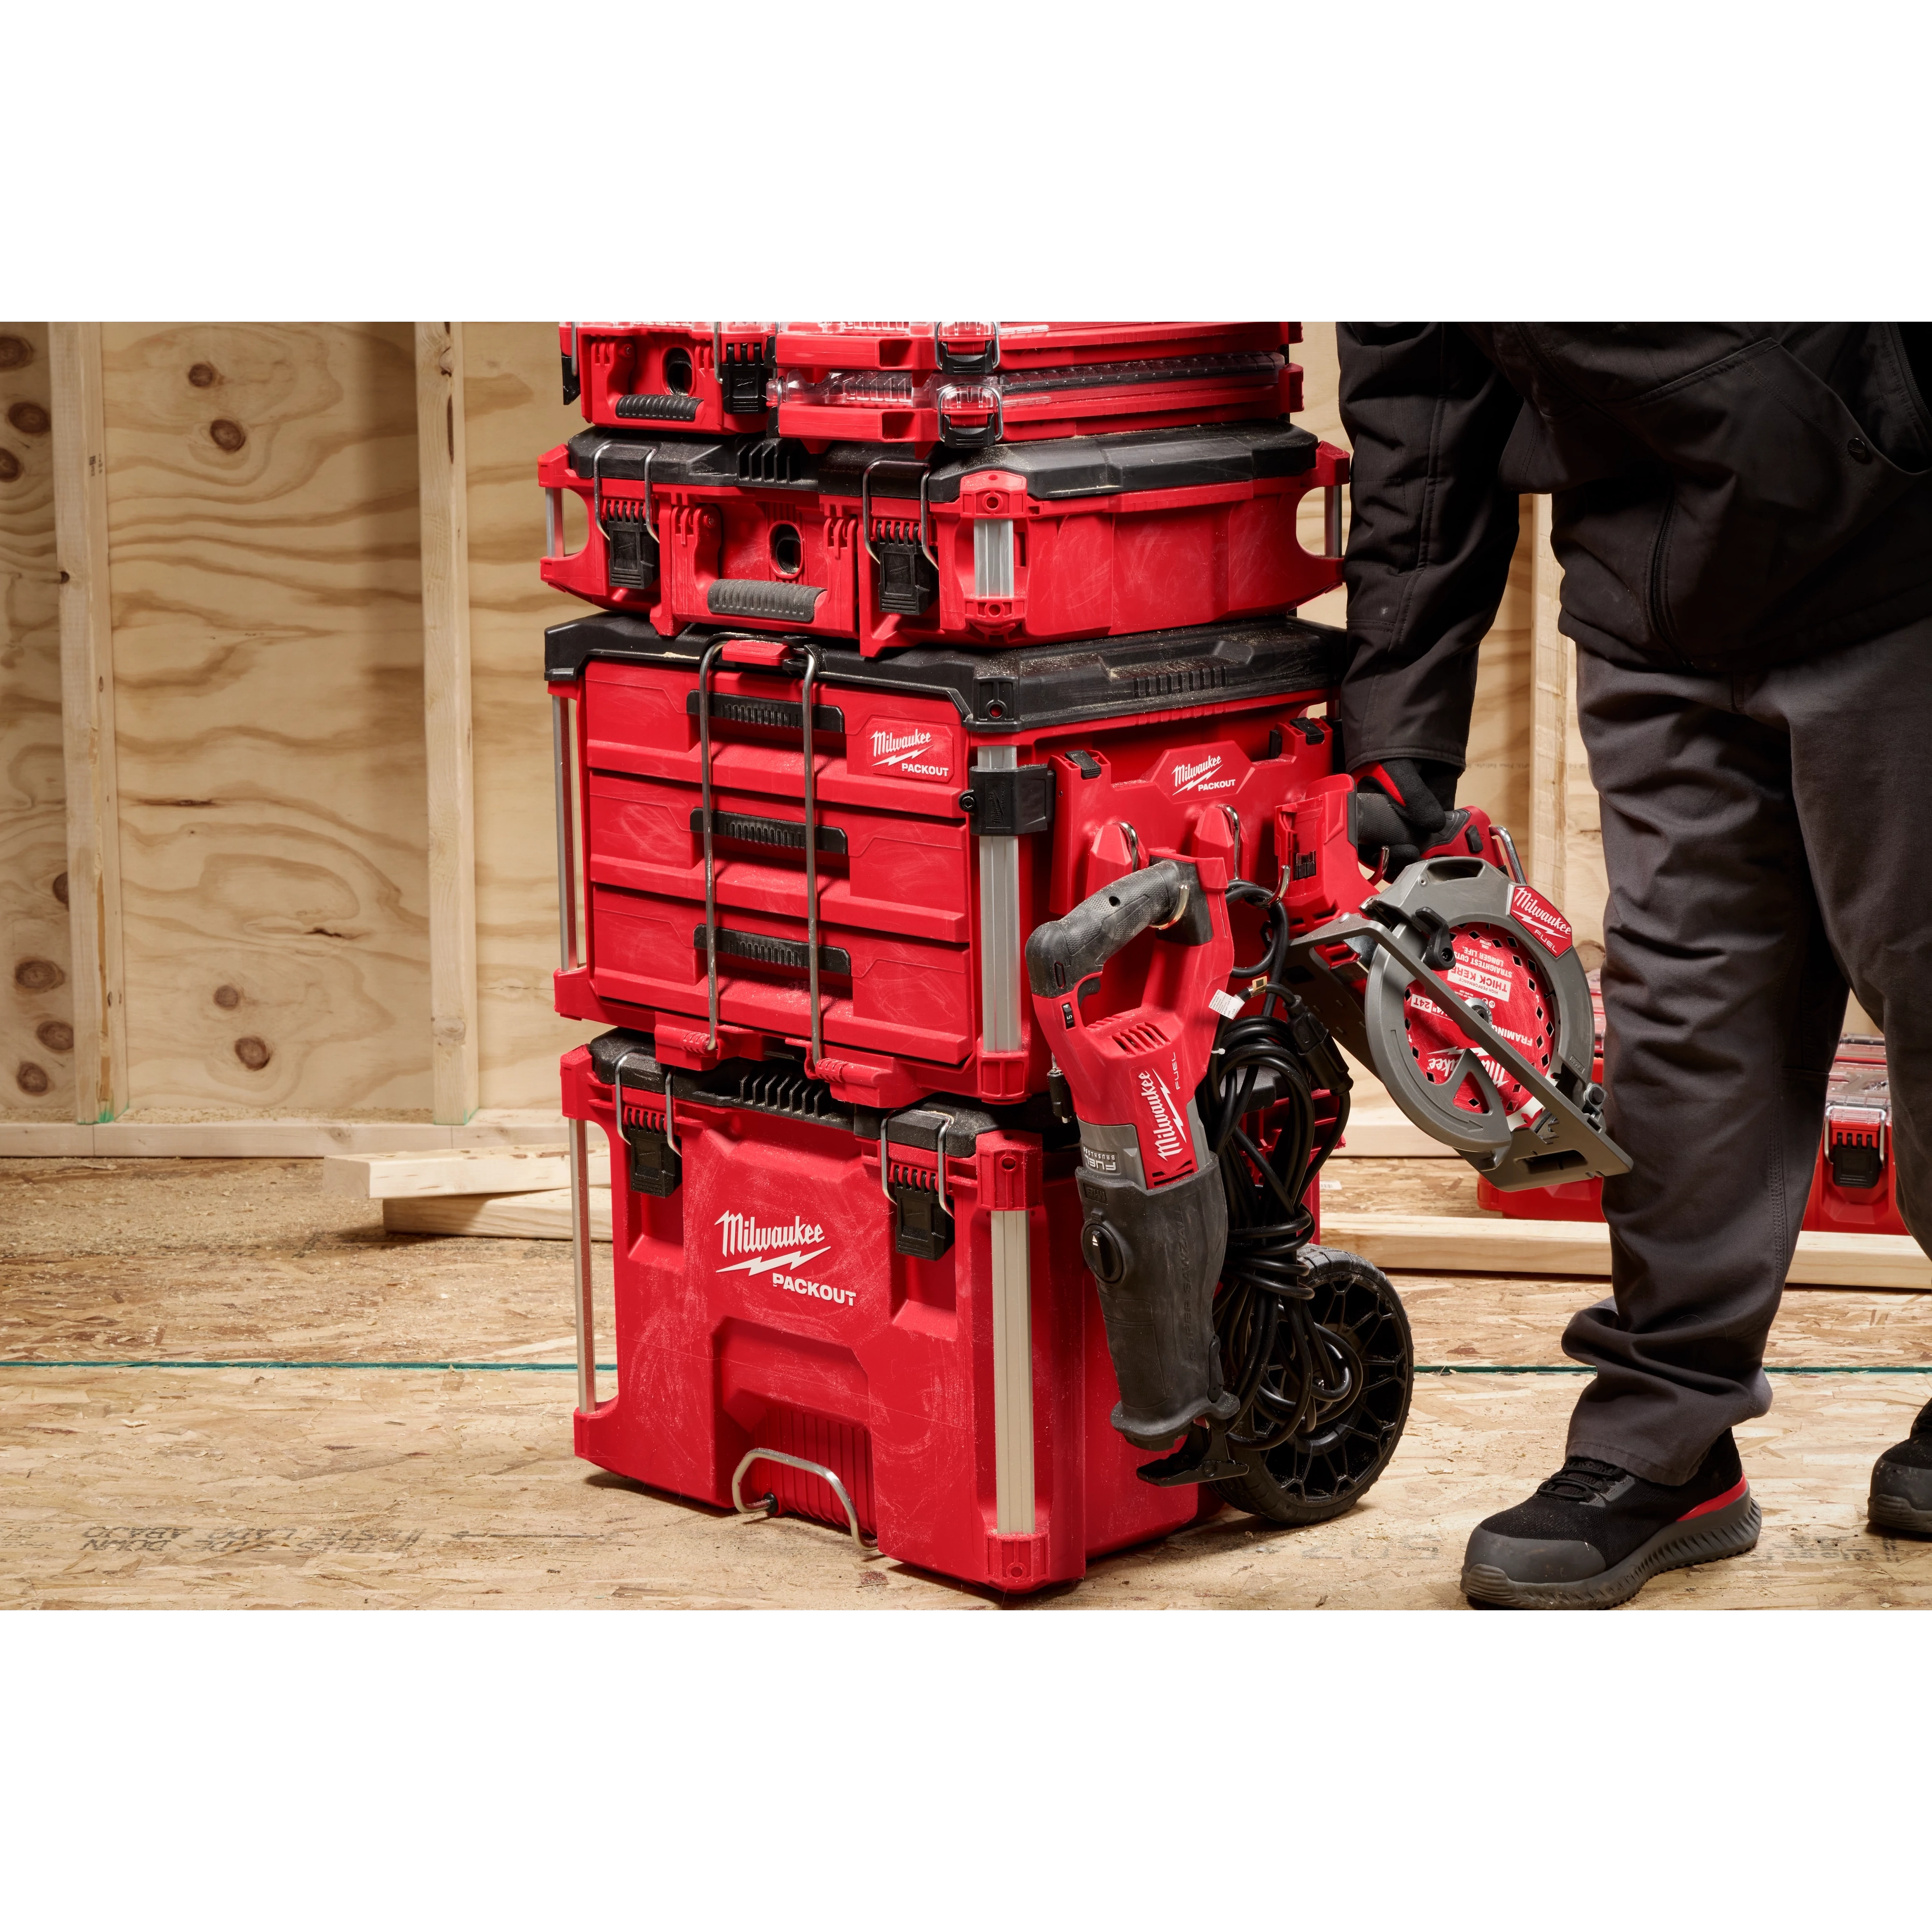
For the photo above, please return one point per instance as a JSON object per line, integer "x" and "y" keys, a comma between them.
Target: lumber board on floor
{"x": 134, "y": 1136}
{"x": 529, "y": 1217}
{"x": 386, "y": 1176}
{"x": 36, "y": 967}
{"x": 1494, "y": 1245}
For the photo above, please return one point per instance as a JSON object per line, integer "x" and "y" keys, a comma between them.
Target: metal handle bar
{"x": 706, "y": 671}
{"x": 770, "y": 1503}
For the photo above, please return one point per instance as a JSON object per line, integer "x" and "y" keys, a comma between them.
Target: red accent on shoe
{"x": 1723, "y": 1501}
{"x": 1380, "y": 774}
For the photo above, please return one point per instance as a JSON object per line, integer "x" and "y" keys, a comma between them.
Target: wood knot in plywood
{"x": 253, "y": 1053}
{"x": 32, "y": 1080}
{"x": 9, "y": 466}
{"x": 228, "y": 998}
{"x": 56, "y": 1035}
{"x": 16, "y": 352}
{"x": 60, "y": 887}
{"x": 30, "y": 418}
{"x": 204, "y": 376}
{"x": 227, "y": 435}
{"x": 38, "y": 976}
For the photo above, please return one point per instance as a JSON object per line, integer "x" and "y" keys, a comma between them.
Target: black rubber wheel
{"x": 1310, "y": 1478}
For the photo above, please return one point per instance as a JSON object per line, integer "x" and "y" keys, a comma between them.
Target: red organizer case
{"x": 761, "y": 1305}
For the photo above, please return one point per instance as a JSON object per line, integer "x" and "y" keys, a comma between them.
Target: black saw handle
{"x": 1168, "y": 894}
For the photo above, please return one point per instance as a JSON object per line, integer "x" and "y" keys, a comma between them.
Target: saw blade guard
{"x": 1463, "y": 989}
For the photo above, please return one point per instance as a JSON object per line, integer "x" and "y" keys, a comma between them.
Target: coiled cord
{"x": 1288, "y": 1371}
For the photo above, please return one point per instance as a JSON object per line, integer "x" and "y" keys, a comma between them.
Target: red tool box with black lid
{"x": 1095, "y": 536}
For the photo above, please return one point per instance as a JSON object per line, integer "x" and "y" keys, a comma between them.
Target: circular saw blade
{"x": 1494, "y": 970}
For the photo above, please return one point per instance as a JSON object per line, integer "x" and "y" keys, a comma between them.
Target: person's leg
{"x": 1860, "y": 722}
{"x": 1723, "y": 1003}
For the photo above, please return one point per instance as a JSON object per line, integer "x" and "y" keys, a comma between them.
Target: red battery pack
{"x": 880, "y": 1322}
{"x": 709, "y": 376}
{"x": 1094, "y": 536}
{"x": 873, "y": 921}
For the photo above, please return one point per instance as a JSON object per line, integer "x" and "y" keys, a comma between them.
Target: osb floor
{"x": 332, "y": 1484}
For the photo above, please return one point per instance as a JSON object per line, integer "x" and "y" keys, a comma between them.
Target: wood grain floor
{"x": 343, "y": 1483}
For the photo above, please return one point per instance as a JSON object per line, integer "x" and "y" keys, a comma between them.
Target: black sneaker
{"x": 1901, "y": 1484}
{"x": 1593, "y": 1535}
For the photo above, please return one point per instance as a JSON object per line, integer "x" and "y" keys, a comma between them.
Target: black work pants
{"x": 1768, "y": 838}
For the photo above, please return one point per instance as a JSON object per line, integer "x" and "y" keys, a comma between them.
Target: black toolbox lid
{"x": 1022, "y": 689}
{"x": 1054, "y": 468}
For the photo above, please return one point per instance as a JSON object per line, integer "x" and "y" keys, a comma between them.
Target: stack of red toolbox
{"x": 1854, "y": 1185}
{"x": 862, "y": 711}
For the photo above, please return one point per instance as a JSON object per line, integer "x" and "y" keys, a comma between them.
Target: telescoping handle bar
{"x": 763, "y": 654}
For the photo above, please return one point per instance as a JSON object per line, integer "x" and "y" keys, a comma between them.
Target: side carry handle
{"x": 1166, "y": 896}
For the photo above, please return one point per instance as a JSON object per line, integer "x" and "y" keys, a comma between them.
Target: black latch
{"x": 922, "y": 1225}
{"x": 632, "y": 564}
{"x": 907, "y": 582}
{"x": 656, "y": 1165}
{"x": 1085, "y": 763}
{"x": 1857, "y": 1163}
{"x": 1011, "y": 804}
{"x": 742, "y": 377}
{"x": 572, "y": 388}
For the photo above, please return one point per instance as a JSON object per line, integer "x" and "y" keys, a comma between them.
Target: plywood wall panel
{"x": 1497, "y": 778}
{"x": 36, "y": 994}
{"x": 263, "y": 518}
{"x": 515, "y": 412}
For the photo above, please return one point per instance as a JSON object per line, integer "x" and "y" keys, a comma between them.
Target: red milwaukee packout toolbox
{"x": 708, "y": 377}
{"x": 1854, "y": 1187}
{"x": 918, "y": 1338}
{"x": 864, "y": 905}
{"x": 1033, "y": 542}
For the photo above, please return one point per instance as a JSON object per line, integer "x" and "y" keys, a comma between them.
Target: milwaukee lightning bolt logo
{"x": 776, "y": 1251}
{"x": 914, "y": 750}
{"x": 1207, "y": 772}
{"x": 1170, "y": 1139}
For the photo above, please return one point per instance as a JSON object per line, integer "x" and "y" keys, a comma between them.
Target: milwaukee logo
{"x": 1200, "y": 776}
{"x": 1169, "y": 1139}
{"x": 768, "y": 1248}
{"x": 893, "y": 748}
{"x": 1542, "y": 918}
{"x": 911, "y": 749}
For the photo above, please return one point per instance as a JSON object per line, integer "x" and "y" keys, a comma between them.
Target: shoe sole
{"x": 1897, "y": 1518}
{"x": 1730, "y": 1532}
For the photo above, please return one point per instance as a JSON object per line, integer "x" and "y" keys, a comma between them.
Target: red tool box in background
{"x": 1853, "y": 1187}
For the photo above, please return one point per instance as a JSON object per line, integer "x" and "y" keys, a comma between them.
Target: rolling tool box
{"x": 788, "y": 847}
{"x": 879, "y": 1320}
{"x": 1854, "y": 1186}
{"x": 703, "y": 377}
{"x": 1033, "y": 543}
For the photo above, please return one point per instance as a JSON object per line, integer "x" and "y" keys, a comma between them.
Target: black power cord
{"x": 1258, "y": 1105}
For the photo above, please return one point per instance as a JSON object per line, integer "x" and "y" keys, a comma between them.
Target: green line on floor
{"x": 610, "y": 1368}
